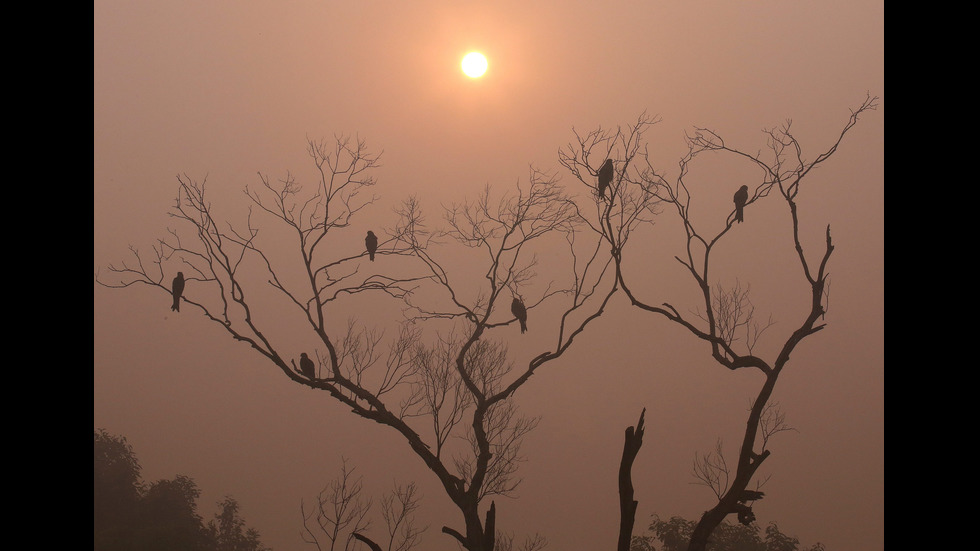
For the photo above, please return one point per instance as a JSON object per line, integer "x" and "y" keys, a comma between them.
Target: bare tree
{"x": 398, "y": 509}
{"x": 309, "y": 259}
{"x": 503, "y": 235}
{"x": 340, "y": 515}
{"x": 505, "y": 542}
{"x": 726, "y": 313}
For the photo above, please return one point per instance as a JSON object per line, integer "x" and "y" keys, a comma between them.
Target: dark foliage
{"x": 675, "y": 534}
{"x": 161, "y": 516}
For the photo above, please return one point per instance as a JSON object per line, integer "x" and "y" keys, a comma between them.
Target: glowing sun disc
{"x": 474, "y": 64}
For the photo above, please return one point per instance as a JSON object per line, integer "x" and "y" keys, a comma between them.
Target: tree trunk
{"x": 748, "y": 463}
{"x": 627, "y": 506}
{"x": 477, "y": 538}
{"x": 709, "y": 521}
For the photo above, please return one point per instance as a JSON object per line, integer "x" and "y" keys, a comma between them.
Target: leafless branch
{"x": 398, "y": 510}
{"x": 340, "y": 511}
{"x": 772, "y": 422}
{"x": 505, "y": 542}
{"x": 734, "y": 313}
{"x": 711, "y": 470}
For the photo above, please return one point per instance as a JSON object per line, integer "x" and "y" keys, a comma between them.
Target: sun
{"x": 474, "y": 64}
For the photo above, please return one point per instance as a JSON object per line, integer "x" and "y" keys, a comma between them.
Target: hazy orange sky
{"x": 225, "y": 90}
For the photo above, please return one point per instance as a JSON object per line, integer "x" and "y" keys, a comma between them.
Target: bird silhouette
{"x": 306, "y": 366}
{"x": 371, "y": 242}
{"x": 177, "y": 289}
{"x": 741, "y": 197}
{"x": 520, "y": 312}
{"x": 605, "y": 177}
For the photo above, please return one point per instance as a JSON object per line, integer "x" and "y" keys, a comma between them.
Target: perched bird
{"x": 741, "y": 196}
{"x": 605, "y": 177}
{"x": 371, "y": 241}
{"x": 177, "y": 289}
{"x": 520, "y": 312}
{"x": 306, "y": 366}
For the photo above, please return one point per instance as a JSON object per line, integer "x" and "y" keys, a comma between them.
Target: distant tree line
{"x": 160, "y": 516}
{"x": 675, "y": 535}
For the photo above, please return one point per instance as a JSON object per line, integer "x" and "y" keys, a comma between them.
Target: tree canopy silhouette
{"x": 160, "y": 516}
{"x": 674, "y": 534}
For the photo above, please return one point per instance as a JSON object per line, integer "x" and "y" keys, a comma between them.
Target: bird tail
{"x": 523, "y": 326}
{"x": 371, "y": 256}
{"x": 176, "y": 306}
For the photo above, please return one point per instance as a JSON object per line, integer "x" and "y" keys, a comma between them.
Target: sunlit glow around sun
{"x": 474, "y": 64}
